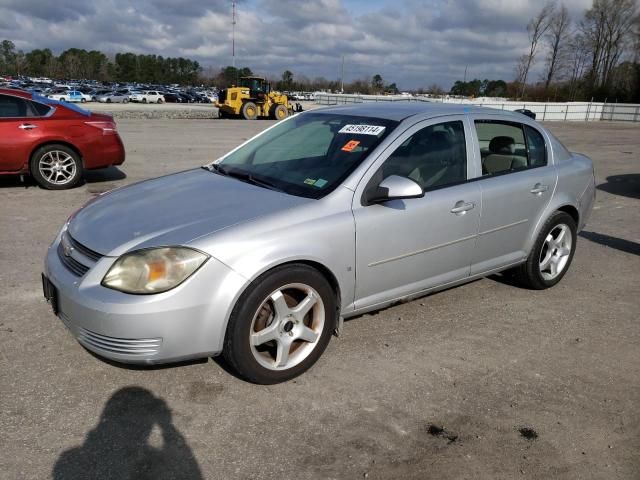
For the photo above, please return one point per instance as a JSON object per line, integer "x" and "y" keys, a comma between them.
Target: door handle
{"x": 461, "y": 207}
{"x": 27, "y": 126}
{"x": 538, "y": 189}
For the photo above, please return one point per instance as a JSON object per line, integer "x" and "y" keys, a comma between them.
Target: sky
{"x": 414, "y": 43}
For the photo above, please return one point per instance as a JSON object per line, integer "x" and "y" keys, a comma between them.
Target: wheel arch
{"x": 325, "y": 271}
{"x": 55, "y": 142}
{"x": 565, "y": 207}
{"x": 321, "y": 268}
{"x": 572, "y": 211}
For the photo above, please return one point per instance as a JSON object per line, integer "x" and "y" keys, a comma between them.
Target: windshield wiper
{"x": 244, "y": 176}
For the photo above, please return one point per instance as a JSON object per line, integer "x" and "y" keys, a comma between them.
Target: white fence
{"x": 568, "y": 111}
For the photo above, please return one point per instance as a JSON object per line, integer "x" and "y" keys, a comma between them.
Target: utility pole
{"x": 342, "y": 77}
{"x": 233, "y": 33}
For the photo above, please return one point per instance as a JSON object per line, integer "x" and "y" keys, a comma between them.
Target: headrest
{"x": 439, "y": 140}
{"x": 502, "y": 145}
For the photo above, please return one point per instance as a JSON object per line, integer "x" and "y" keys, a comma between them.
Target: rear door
{"x": 18, "y": 131}
{"x": 517, "y": 183}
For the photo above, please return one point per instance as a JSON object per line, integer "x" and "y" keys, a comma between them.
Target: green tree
{"x": 377, "y": 83}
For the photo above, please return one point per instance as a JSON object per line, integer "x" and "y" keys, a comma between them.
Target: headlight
{"x": 153, "y": 270}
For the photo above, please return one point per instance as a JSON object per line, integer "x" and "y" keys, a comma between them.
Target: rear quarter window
{"x": 39, "y": 109}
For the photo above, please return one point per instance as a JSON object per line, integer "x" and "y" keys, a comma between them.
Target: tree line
{"x": 595, "y": 56}
{"x": 76, "y": 63}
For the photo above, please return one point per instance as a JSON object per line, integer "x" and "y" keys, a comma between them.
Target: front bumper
{"x": 186, "y": 322}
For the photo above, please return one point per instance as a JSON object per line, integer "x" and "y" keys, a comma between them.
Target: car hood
{"x": 172, "y": 210}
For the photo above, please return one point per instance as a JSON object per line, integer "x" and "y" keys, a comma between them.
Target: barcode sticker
{"x": 363, "y": 129}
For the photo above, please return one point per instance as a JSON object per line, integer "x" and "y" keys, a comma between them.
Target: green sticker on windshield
{"x": 321, "y": 182}
{"x": 309, "y": 181}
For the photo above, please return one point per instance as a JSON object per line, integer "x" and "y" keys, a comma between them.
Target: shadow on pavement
{"x": 612, "y": 242}
{"x": 626, "y": 185}
{"x": 109, "y": 174}
{"x": 119, "y": 447}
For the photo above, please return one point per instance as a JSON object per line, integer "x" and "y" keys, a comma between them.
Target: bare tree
{"x": 536, "y": 29}
{"x": 607, "y": 28}
{"x": 557, "y": 40}
{"x": 579, "y": 55}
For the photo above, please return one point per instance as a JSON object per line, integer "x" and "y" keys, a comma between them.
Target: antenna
{"x": 233, "y": 33}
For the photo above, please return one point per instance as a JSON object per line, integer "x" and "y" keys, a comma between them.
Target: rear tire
{"x": 56, "y": 167}
{"x": 249, "y": 111}
{"x": 268, "y": 340}
{"x": 551, "y": 254}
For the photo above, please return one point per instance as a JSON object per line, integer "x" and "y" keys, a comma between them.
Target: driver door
{"x": 407, "y": 246}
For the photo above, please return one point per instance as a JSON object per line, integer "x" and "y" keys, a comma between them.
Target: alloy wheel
{"x": 555, "y": 251}
{"x": 287, "y": 326}
{"x": 57, "y": 167}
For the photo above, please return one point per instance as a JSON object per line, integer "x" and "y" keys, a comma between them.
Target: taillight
{"x": 108, "y": 128}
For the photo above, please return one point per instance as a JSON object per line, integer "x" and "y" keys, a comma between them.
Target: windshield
{"x": 51, "y": 101}
{"x": 308, "y": 155}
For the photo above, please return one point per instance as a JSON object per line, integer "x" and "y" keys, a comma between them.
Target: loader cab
{"x": 258, "y": 87}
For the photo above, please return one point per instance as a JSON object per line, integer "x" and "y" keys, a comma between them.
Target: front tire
{"x": 56, "y": 167}
{"x": 279, "y": 112}
{"x": 281, "y": 325}
{"x": 551, "y": 254}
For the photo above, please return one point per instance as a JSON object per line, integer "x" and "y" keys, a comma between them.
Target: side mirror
{"x": 394, "y": 187}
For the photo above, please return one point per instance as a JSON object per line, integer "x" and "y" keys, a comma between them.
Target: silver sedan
{"x": 332, "y": 213}
{"x": 113, "y": 97}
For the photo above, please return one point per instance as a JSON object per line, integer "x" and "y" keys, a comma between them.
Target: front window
{"x": 434, "y": 157}
{"x": 308, "y": 155}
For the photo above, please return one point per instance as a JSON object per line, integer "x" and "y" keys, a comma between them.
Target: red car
{"x": 52, "y": 141}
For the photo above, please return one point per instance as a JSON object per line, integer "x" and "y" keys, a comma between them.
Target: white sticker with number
{"x": 362, "y": 129}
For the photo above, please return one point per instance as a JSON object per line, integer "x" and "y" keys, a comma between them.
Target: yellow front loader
{"x": 252, "y": 99}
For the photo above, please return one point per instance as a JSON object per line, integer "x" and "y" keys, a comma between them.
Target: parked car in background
{"x": 172, "y": 97}
{"x": 54, "y": 142}
{"x": 71, "y": 96}
{"x": 147, "y": 96}
{"x": 94, "y": 94}
{"x": 526, "y": 112}
{"x": 113, "y": 97}
{"x": 260, "y": 254}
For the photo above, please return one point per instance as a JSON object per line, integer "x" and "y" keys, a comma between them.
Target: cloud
{"x": 411, "y": 42}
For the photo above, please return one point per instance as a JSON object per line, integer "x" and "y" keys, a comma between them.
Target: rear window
{"x": 70, "y": 106}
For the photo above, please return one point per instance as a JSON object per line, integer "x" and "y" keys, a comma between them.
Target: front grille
{"x": 87, "y": 252}
{"x": 127, "y": 346}
{"x": 71, "y": 263}
{"x": 75, "y": 256}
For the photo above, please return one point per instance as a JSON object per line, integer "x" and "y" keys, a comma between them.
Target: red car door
{"x": 18, "y": 132}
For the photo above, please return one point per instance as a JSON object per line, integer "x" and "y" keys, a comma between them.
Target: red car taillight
{"x": 108, "y": 128}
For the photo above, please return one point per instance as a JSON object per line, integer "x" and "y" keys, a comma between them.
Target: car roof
{"x": 400, "y": 110}
{"x": 14, "y": 92}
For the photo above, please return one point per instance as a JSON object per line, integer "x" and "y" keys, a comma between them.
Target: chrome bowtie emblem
{"x": 67, "y": 249}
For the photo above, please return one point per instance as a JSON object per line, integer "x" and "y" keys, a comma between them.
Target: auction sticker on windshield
{"x": 363, "y": 129}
